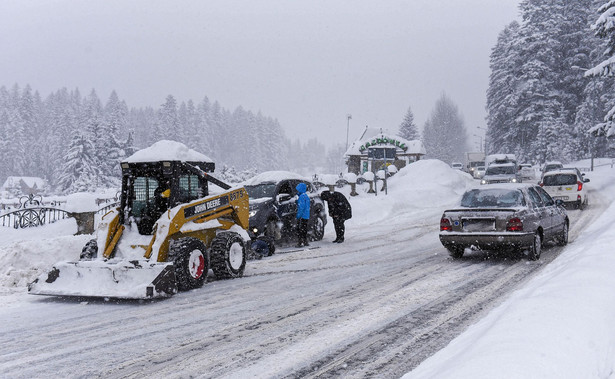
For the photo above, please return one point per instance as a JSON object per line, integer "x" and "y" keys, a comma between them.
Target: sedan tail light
{"x": 579, "y": 186}
{"x": 445, "y": 224}
{"x": 514, "y": 225}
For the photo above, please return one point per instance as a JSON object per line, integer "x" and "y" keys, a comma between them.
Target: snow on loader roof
{"x": 166, "y": 150}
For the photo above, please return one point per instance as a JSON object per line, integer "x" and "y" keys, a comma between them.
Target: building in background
{"x": 23, "y": 185}
{"x": 378, "y": 148}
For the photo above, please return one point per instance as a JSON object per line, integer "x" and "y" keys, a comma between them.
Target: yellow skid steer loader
{"x": 165, "y": 236}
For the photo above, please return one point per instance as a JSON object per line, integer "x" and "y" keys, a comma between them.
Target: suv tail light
{"x": 445, "y": 224}
{"x": 541, "y": 184}
{"x": 514, "y": 225}
{"x": 579, "y": 186}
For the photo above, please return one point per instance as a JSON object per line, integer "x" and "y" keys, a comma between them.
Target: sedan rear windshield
{"x": 500, "y": 170}
{"x": 492, "y": 197}
{"x": 560, "y": 180}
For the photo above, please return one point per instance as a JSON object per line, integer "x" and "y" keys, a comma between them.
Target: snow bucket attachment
{"x": 118, "y": 279}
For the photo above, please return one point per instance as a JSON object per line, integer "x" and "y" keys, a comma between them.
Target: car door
{"x": 557, "y": 213}
{"x": 287, "y": 207}
{"x": 543, "y": 214}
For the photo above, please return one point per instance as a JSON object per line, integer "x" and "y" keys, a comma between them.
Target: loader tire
{"x": 190, "y": 261}
{"x": 228, "y": 255}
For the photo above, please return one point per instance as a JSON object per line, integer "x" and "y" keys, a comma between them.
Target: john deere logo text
{"x": 206, "y": 206}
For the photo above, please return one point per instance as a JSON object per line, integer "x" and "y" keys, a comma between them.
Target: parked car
{"x": 568, "y": 185}
{"x": 504, "y": 216}
{"x": 526, "y": 171}
{"x": 273, "y": 208}
{"x": 457, "y": 165}
{"x": 501, "y": 173}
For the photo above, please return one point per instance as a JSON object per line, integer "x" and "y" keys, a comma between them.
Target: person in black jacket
{"x": 339, "y": 210}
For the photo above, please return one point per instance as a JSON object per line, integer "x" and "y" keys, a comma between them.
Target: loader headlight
{"x": 252, "y": 213}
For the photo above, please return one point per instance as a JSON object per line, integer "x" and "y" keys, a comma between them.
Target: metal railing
{"x": 31, "y": 211}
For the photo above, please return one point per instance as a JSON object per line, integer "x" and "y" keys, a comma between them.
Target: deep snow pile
{"x": 423, "y": 189}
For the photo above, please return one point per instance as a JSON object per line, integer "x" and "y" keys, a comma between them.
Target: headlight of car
{"x": 513, "y": 180}
{"x": 483, "y": 181}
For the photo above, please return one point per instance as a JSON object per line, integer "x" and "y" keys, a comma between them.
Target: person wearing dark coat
{"x": 339, "y": 210}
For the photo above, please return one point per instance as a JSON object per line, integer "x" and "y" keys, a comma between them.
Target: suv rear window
{"x": 559, "y": 180}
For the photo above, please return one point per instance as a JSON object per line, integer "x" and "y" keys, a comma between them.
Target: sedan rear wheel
{"x": 536, "y": 248}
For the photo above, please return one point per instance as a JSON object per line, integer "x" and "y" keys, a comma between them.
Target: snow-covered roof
{"x": 30, "y": 181}
{"x": 165, "y": 150}
{"x": 274, "y": 176}
{"x": 384, "y": 138}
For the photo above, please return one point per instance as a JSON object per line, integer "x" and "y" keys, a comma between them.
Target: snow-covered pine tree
{"x": 502, "y": 130}
{"x": 80, "y": 172}
{"x": 167, "y": 120}
{"x": 604, "y": 28}
{"x": 92, "y": 128}
{"x": 204, "y": 131}
{"x": 114, "y": 124}
{"x": 444, "y": 134}
{"x": 407, "y": 128}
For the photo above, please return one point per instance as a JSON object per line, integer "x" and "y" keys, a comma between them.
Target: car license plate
{"x": 560, "y": 197}
{"x": 478, "y": 224}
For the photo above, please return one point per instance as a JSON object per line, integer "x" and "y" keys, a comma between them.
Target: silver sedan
{"x": 504, "y": 216}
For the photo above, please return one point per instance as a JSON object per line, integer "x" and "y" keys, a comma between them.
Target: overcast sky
{"x": 307, "y": 63}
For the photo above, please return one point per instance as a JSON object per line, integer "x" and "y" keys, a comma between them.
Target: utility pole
{"x": 348, "y": 117}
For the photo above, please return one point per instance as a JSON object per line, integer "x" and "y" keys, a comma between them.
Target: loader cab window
{"x": 144, "y": 188}
{"x": 189, "y": 189}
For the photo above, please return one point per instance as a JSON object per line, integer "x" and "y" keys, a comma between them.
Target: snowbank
{"x": 27, "y": 253}
{"x": 422, "y": 189}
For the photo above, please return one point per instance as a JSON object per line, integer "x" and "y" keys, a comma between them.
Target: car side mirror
{"x": 585, "y": 180}
{"x": 282, "y": 197}
{"x": 559, "y": 202}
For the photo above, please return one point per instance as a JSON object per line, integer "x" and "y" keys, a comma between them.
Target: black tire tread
{"x": 220, "y": 246}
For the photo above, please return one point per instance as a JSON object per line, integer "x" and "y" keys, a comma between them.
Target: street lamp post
{"x": 348, "y": 117}
{"x": 484, "y": 131}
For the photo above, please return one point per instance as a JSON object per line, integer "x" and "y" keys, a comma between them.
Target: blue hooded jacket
{"x": 303, "y": 202}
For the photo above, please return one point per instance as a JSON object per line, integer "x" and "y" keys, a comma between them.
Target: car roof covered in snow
{"x": 166, "y": 150}
{"x": 274, "y": 177}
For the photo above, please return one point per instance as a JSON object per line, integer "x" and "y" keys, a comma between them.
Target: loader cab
{"x": 151, "y": 188}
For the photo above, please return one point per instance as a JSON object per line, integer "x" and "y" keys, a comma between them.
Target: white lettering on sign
{"x": 207, "y": 206}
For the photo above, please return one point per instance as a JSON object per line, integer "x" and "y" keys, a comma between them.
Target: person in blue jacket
{"x": 303, "y": 215}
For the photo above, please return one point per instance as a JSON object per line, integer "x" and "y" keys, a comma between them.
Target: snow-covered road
{"x": 374, "y": 306}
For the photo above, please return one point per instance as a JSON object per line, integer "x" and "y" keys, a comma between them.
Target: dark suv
{"x": 273, "y": 208}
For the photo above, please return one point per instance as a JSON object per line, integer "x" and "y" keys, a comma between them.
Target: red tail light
{"x": 514, "y": 225}
{"x": 541, "y": 184}
{"x": 445, "y": 224}
{"x": 579, "y": 186}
